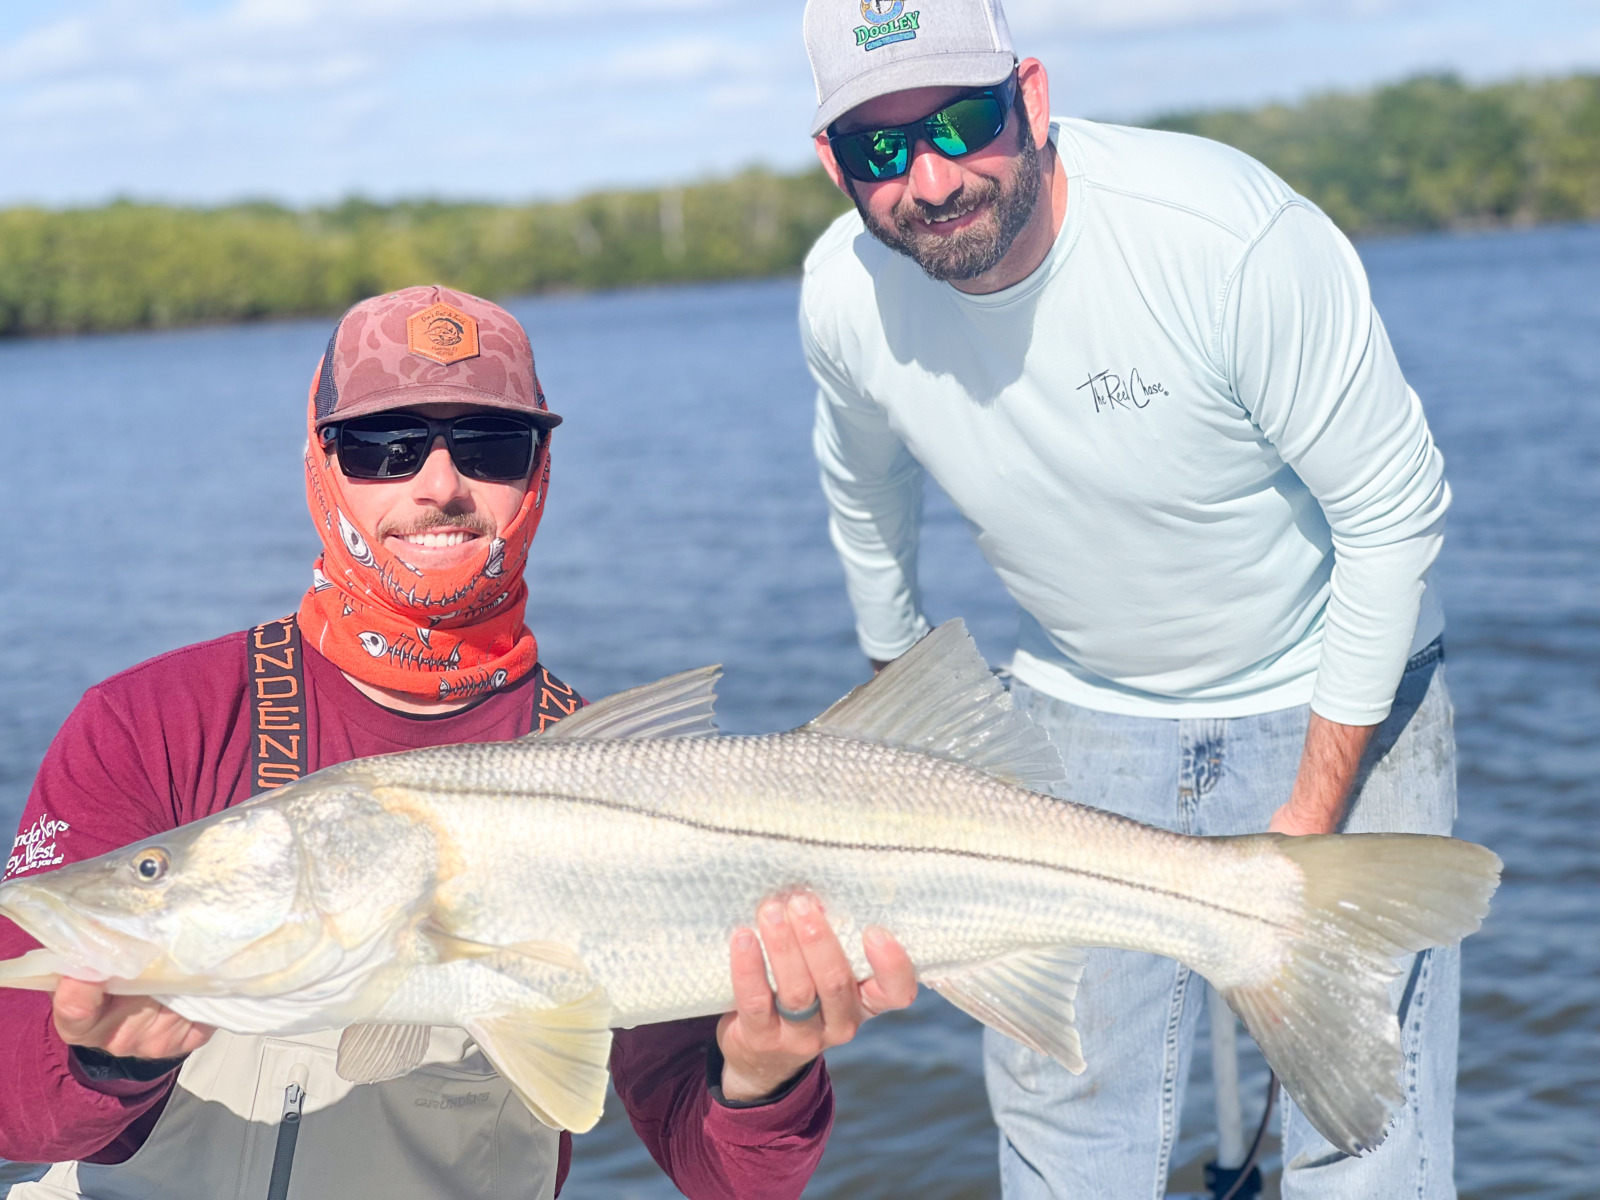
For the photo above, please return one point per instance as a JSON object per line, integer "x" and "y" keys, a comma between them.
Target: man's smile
{"x": 953, "y": 222}
{"x": 437, "y": 540}
{"x": 453, "y": 538}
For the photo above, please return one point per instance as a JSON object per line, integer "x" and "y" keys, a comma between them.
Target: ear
{"x": 1035, "y": 86}
{"x": 831, "y": 165}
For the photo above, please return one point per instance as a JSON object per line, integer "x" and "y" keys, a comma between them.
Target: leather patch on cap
{"x": 442, "y": 333}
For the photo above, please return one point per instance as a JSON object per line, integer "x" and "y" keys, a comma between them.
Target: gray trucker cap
{"x": 861, "y": 49}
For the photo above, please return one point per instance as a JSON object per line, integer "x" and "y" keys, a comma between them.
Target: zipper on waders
{"x": 294, "y": 1098}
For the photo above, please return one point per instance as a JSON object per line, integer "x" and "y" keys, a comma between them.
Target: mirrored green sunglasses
{"x": 969, "y": 122}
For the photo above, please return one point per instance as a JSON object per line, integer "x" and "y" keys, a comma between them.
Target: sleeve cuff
{"x": 883, "y": 651}
{"x": 714, "y": 1065}
{"x": 120, "y": 1077}
{"x": 803, "y": 1106}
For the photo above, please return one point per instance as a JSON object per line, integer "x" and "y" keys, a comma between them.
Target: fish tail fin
{"x": 1324, "y": 1020}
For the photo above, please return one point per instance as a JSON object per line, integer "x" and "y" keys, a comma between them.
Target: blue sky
{"x": 310, "y": 100}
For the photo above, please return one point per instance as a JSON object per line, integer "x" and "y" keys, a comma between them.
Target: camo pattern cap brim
{"x": 379, "y": 358}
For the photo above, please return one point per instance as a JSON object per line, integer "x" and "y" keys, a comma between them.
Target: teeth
{"x": 437, "y": 540}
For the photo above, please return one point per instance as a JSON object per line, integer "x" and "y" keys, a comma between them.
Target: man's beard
{"x": 978, "y": 248}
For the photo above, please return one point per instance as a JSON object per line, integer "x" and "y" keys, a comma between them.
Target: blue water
{"x": 156, "y": 499}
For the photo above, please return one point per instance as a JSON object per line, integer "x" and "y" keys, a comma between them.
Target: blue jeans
{"x": 1108, "y": 1134}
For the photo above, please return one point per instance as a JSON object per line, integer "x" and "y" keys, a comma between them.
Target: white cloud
{"x": 1044, "y": 17}
{"x": 119, "y": 36}
{"x": 679, "y": 61}
{"x": 310, "y": 99}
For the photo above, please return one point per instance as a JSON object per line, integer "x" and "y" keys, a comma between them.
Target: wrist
{"x": 1299, "y": 819}
{"x": 733, "y": 1087}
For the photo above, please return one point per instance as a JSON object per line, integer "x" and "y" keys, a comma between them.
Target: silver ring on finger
{"x": 799, "y": 1016}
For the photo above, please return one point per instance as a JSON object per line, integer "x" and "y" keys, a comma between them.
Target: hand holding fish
{"x": 1328, "y": 769}
{"x": 762, "y": 1049}
{"x": 126, "y": 1026}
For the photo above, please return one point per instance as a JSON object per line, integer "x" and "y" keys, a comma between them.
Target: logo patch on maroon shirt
{"x": 35, "y": 847}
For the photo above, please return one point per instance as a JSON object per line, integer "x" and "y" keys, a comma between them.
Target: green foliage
{"x": 129, "y": 265}
{"x": 1431, "y": 152}
{"x": 1428, "y": 153}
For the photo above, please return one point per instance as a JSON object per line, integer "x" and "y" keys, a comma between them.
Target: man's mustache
{"x": 439, "y": 518}
{"x": 959, "y": 205}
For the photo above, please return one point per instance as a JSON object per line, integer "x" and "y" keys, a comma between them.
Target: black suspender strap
{"x": 278, "y": 724}
{"x": 552, "y": 699}
{"x": 280, "y": 747}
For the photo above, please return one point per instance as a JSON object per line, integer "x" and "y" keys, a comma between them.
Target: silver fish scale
{"x": 677, "y": 841}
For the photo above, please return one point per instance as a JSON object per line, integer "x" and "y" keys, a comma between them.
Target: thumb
{"x": 78, "y": 1005}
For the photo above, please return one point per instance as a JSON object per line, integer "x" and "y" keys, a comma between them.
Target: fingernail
{"x": 772, "y": 912}
{"x": 800, "y": 905}
{"x": 875, "y": 936}
{"x": 743, "y": 940}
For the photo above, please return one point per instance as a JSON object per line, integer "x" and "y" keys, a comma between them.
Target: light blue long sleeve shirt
{"x": 1183, "y": 442}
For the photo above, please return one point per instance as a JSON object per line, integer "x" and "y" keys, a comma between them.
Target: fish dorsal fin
{"x": 373, "y": 1053}
{"x": 940, "y": 697}
{"x": 678, "y": 706}
{"x": 1027, "y": 996}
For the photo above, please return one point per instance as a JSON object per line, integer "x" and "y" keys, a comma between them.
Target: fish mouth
{"x": 98, "y": 949}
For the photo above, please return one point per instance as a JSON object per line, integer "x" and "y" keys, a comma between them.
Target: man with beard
{"x": 427, "y": 464}
{"x": 1151, "y": 378}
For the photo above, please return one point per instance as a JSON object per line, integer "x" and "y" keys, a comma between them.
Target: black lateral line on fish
{"x": 825, "y": 844}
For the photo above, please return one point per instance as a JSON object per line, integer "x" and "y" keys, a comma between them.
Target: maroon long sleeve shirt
{"x": 168, "y": 742}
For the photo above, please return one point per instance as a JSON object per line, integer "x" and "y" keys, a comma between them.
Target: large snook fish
{"x": 538, "y": 893}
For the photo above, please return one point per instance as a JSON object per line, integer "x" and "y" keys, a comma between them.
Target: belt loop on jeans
{"x": 1431, "y": 653}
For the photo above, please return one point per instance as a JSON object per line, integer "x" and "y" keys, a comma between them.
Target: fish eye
{"x": 151, "y": 864}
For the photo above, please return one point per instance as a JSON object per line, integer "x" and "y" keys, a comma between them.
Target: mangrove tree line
{"x": 1428, "y": 153}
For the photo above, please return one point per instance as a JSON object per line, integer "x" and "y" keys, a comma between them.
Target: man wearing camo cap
{"x": 1151, "y": 378}
{"x": 427, "y": 465}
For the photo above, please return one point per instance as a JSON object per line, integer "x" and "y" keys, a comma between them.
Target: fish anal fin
{"x": 1027, "y": 996}
{"x": 940, "y": 697}
{"x": 555, "y": 1059}
{"x": 374, "y": 1053}
{"x": 678, "y": 706}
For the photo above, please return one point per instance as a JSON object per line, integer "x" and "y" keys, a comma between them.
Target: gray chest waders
{"x": 280, "y": 754}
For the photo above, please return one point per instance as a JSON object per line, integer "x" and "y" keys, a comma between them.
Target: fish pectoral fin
{"x": 35, "y": 971}
{"x": 678, "y": 706}
{"x": 374, "y": 1053}
{"x": 549, "y": 970}
{"x": 1027, "y": 996}
{"x": 555, "y": 1059}
{"x": 940, "y": 697}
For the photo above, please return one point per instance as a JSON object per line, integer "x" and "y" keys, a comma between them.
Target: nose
{"x": 934, "y": 178}
{"x": 439, "y": 482}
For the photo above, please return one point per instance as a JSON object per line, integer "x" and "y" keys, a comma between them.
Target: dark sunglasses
{"x": 969, "y": 122}
{"x": 491, "y": 447}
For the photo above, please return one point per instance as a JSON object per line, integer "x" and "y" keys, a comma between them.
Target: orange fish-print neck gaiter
{"x": 450, "y": 634}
